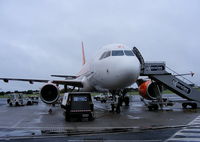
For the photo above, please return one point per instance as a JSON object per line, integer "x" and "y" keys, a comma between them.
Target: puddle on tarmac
{"x": 133, "y": 117}
{"x": 18, "y": 133}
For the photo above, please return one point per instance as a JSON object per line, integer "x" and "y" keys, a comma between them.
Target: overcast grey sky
{"x": 43, "y": 37}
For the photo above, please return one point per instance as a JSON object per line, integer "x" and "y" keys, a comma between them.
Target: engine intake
{"x": 49, "y": 93}
{"x": 149, "y": 90}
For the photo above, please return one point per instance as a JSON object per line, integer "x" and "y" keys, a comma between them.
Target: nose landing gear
{"x": 115, "y": 107}
{"x": 118, "y": 97}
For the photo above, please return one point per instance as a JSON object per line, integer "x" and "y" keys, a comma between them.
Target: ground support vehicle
{"x": 78, "y": 105}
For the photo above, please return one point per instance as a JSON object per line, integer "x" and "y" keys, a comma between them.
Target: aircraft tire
{"x": 120, "y": 101}
{"x": 112, "y": 107}
{"x": 118, "y": 109}
{"x": 126, "y": 100}
{"x": 10, "y": 104}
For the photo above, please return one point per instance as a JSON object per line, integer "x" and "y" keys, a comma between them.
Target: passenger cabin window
{"x": 128, "y": 53}
{"x": 105, "y": 55}
{"x": 117, "y": 53}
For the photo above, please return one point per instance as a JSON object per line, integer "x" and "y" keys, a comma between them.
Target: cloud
{"x": 43, "y": 37}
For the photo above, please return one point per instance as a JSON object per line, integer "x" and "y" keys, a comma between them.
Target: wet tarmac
{"x": 135, "y": 122}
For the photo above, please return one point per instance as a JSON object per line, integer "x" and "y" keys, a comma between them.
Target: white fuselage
{"x": 116, "y": 69}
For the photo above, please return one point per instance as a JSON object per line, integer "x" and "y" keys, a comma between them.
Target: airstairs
{"x": 157, "y": 71}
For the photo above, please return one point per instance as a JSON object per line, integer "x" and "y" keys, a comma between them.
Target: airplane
{"x": 114, "y": 68}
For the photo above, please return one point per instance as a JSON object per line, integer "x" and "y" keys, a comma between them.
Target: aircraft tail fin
{"x": 83, "y": 55}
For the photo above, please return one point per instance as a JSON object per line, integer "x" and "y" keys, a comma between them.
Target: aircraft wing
{"x": 65, "y": 76}
{"x": 62, "y": 82}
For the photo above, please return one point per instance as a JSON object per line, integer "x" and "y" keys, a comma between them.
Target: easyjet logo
{"x": 120, "y": 46}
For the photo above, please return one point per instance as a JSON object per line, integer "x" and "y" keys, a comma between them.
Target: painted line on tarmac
{"x": 15, "y": 125}
{"x": 189, "y": 133}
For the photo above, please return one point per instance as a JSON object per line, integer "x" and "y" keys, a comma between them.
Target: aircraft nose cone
{"x": 130, "y": 70}
{"x": 126, "y": 72}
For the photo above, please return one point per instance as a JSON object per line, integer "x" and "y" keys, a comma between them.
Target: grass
{"x": 167, "y": 92}
{"x": 3, "y": 96}
{"x": 26, "y": 95}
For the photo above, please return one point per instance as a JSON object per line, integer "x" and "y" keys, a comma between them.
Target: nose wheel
{"x": 126, "y": 100}
{"x": 118, "y": 110}
{"x": 115, "y": 108}
{"x": 116, "y": 103}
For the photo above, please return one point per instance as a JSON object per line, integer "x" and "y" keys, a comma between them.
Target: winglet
{"x": 83, "y": 55}
{"x": 192, "y": 74}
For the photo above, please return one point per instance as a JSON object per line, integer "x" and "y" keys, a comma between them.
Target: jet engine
{"x": 149, "y": 90}
{"x": 49, "y": 93}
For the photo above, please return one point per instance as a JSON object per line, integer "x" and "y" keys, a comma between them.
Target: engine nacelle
{"x": 149, "y": 90}
{"x": 49, "y": 93}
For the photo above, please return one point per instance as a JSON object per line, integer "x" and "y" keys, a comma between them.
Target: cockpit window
{"x": 117, "y": 53}
{"x": 102, "y": 56}
{"x": 128, "y": 53}
{"x": 105, "y": 55}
